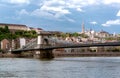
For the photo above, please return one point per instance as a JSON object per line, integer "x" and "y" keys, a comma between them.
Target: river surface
{"x": 80, "y": 67}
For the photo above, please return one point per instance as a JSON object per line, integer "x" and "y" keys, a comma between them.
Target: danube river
{"x": 80, "y": 67}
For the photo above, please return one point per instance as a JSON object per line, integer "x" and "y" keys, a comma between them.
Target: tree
{"x": 75, "y": 34}
{"x": 6, "y": 29}
{"x": 84, "y": 35}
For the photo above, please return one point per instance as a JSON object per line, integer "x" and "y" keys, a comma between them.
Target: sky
{"x": 63, "y": 15}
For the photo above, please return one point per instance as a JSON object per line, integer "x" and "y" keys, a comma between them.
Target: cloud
{"x": 23, "y": 12}
{"x": 93, "y": 22}
{"x": 55, "y": 9}
{"x": 40, "y": 13}
{"x": 59, "y": 8}
{"x": 79, "y": 9}
{"x": 63, "y": 6}
{"x": 70, "y": 20}
{"x": 111, "y": 1}
{"x": 79, "y": 4}
{"x": 17, "y": 1}
{"x": 118, "y": 14}
{"x": 112, "y": 22}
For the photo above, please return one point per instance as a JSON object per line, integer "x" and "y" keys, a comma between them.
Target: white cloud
{"x": 82, "y": 2}
{"x": 111, "y": 1}
{"x": 23, "y": 12}
{"x": 20, "y": 1}
{"x": 70, "y": 20}
{"x": 93, "y": 22}
{"x": 17, "y": 1}
{"x": 52, "y": 8}
{"x": 112, "y": 22}
{"x": 60, "y": 8}
{"x": 118, "y": 14}
{"x": 79, "y": 9}
{"x": 44, "y": 14}
{"x": 79, "y": 4}
{"x": 55, "y": 9}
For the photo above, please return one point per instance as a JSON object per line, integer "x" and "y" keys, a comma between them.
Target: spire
{"x": 83, "y": 28}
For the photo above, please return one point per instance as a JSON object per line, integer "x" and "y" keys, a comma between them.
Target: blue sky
{"x": 63, "y": 15}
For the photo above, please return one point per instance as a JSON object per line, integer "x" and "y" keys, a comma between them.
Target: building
{"x": 36, "y": 29}
{"x": 5, "y": 45}
{"x": 14, "y": 27}
{"x": 22, "y": 42}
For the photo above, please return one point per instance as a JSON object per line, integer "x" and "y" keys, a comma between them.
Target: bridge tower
{"x": 42, "y": 41}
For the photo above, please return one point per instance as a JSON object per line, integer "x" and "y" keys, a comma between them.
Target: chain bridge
{"x": 45, "y": 43}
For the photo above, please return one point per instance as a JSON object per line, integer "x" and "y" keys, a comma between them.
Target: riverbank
{"x": 82, "y": 54}
{"x": 89, "y": 54}
{"x": 9, "y": 55}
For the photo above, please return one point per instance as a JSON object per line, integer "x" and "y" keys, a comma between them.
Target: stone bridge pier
{"x": 43, "y": 41}
{"x": 46, "y": 54}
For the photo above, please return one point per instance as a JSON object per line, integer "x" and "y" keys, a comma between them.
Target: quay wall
{"x": 89, "y": 54}
{"x": 81, "y": 54}
{"x": 9, "y": 55}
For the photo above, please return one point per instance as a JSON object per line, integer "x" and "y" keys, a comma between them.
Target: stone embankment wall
{"x": 88, "y": 54}
{"x": 9, "y": 55}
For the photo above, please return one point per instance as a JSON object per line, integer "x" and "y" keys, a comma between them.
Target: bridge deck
{"x": 70, "y": 46}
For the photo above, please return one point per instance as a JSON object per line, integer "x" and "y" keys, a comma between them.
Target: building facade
{"x": 5, "y": 45}
{"x": 15, "y": 26}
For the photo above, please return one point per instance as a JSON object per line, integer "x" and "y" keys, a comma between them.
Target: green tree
{"x": 6, "y": 29}
{"x": 84, "y": 35}
{"x": 75, "y": 34}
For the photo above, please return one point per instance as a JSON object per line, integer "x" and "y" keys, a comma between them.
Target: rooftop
{"x": 13, "y": 24}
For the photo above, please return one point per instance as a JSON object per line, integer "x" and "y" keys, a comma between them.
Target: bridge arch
{"x": 45, "y": 41}
{"x": 43, "y": 38}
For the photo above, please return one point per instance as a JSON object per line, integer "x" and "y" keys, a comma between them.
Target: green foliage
{"x": 6, "y": 34}
{"x": 75, "y": 34}
{"x": 6, "y": 29}
{"x": 26, "y": 34}
{"x": 64, "y": 35}
{"x": 84, "y": 35}
{"x": 110, "y": 38}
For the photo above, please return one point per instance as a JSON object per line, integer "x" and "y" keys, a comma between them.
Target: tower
{"x": 43, "y": 41}
{"x": 83, "y": 28}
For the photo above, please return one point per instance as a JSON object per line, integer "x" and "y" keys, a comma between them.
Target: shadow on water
{"x": 46, "y": 59}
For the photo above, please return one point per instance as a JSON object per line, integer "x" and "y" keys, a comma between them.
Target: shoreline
{"x": 83, "y": 54}
{"x": 9, "y": 55}
{"x": 89, "y": 54}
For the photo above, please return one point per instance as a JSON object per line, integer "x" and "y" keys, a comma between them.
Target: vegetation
{"x": 75, "y": 34}
{"x": 110, "y": 38}
{"x": 6, "y": 34}
{"x": 26, "y": 34}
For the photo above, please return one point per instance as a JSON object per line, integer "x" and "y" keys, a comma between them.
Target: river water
{"x": 73, "y": 67}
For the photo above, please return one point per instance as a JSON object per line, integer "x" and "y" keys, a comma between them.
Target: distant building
{"x": 103, "y": 34}
{"x": 14, "y": 27}
{"x": 36, "y": 29}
